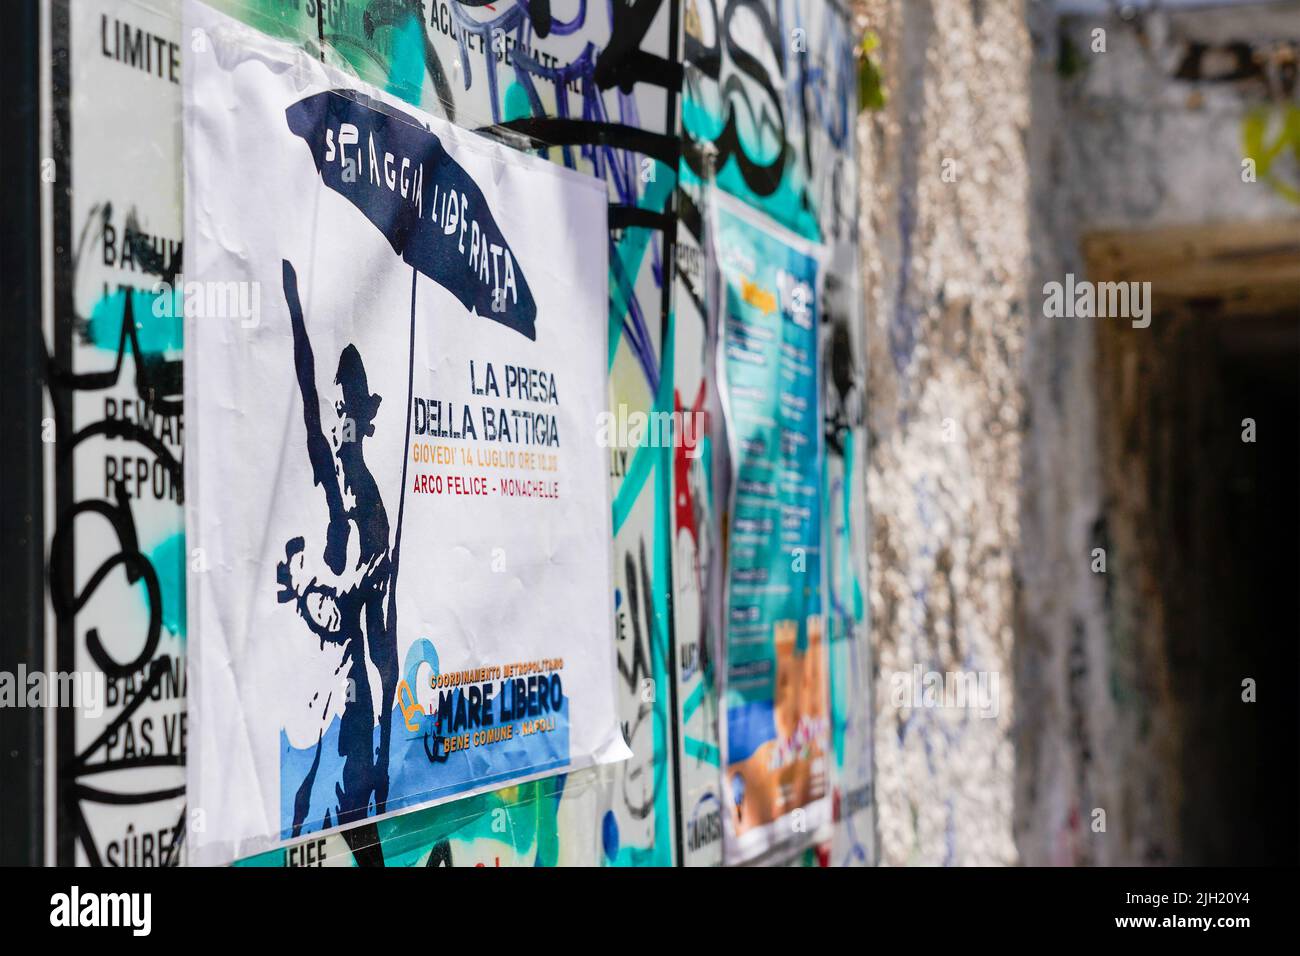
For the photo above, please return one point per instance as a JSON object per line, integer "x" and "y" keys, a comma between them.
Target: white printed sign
{"x": 395, "y": 352}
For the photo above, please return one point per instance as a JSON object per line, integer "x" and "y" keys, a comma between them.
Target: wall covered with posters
{"x": 668, "y": 104}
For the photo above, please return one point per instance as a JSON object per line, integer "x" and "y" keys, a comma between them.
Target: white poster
{"x": 395, "y": 353}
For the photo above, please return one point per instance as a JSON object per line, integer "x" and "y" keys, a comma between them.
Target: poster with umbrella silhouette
{"x": 397, "y": 504}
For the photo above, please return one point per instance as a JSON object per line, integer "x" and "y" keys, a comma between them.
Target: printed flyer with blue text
{"x": 776, "y": 712}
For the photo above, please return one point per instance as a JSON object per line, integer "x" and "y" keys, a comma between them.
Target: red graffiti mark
{"x": 683, "y": 506}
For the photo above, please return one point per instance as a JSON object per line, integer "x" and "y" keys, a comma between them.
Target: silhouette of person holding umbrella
{"x": 346, "y": 597}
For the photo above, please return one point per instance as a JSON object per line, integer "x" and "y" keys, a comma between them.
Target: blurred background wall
{"x": 1021, "y": 143}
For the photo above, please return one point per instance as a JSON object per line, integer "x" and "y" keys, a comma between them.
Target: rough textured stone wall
{"x": 945, "y": 259}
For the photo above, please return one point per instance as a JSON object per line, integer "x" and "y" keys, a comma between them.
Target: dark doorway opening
{"x": 1228, "y": 527}
{"x": 1203, "y": 528}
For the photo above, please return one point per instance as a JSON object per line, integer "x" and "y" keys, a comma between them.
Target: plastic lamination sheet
{"x": 776, "y": 710}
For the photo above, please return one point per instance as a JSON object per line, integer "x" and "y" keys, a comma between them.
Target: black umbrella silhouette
{"x": 425, "y": 204}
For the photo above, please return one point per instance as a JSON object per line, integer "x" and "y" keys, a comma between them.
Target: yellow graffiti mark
{"x": 1257, "y": 145}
